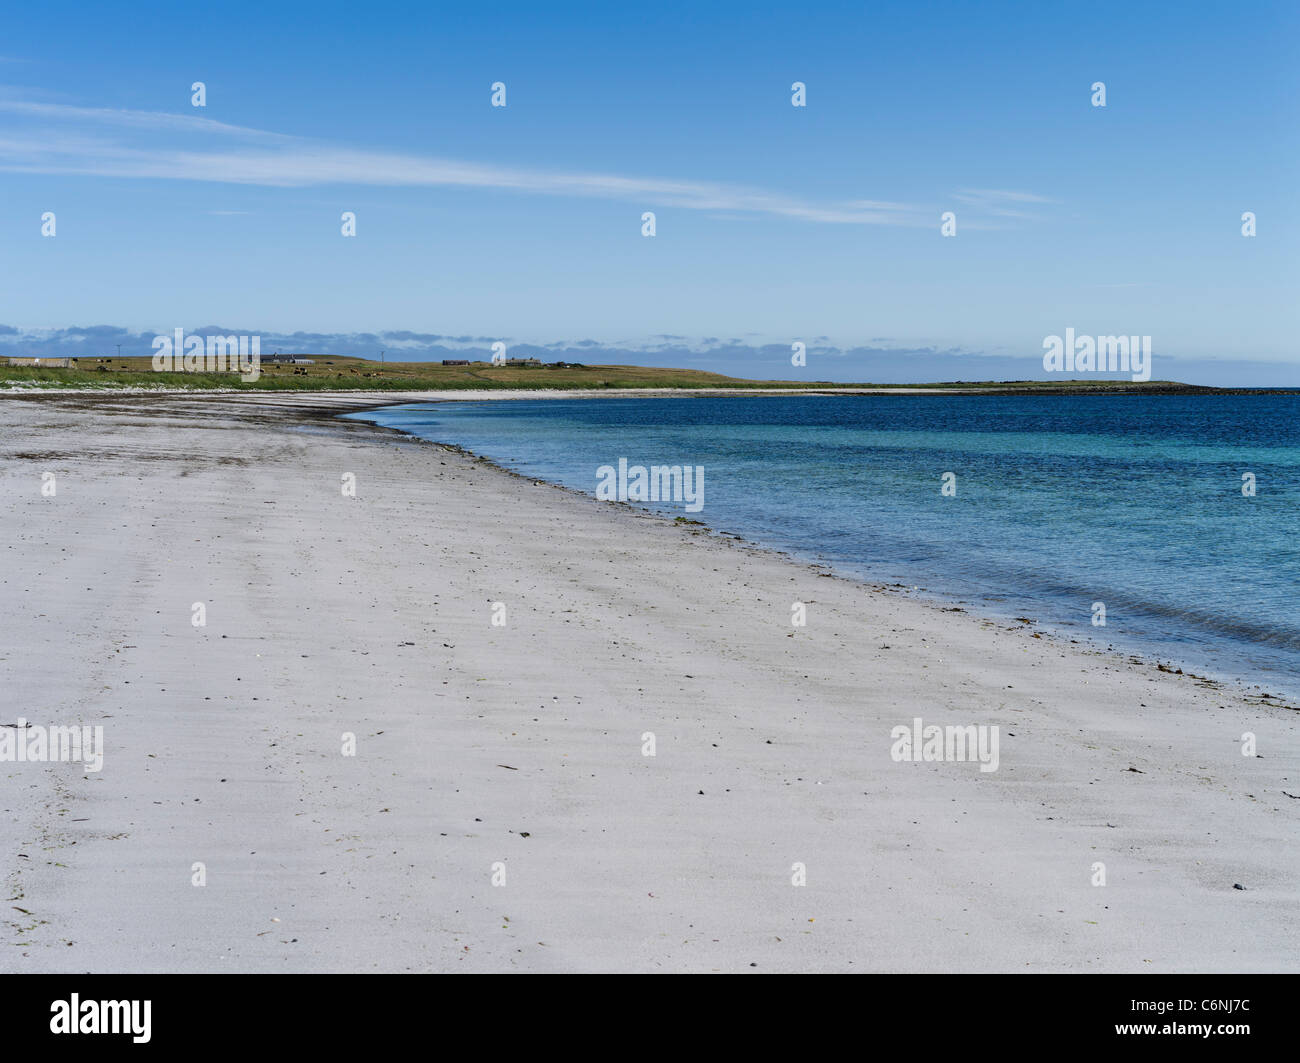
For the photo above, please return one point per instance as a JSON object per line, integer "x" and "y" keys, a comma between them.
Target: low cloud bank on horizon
{"x": 897, "y": 364}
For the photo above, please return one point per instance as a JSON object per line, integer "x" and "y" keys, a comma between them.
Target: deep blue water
{"x": 1133, "y": 501}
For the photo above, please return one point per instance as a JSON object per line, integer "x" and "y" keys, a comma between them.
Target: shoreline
{"x": 328, "y": 406}
{"x": 978, "y": 606}
{"x": 523, "y": 744}
{"x": 1083, "y": 388}
{"x": 331, "y": 405}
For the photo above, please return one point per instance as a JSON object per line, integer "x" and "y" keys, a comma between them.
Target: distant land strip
{"x": 345, "y": 373}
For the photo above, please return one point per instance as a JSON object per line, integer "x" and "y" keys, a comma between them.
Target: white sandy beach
{"x": 522, "y": 745}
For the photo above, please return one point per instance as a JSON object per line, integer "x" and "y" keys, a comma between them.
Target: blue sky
{"x": 775, "y": 224}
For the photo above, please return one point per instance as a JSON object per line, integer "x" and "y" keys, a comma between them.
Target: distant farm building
{"x": 522, "y": 361}
{"x": 455, "y": 361}
{"x": 45, "y": 363}
{"x": 286, "y": 359}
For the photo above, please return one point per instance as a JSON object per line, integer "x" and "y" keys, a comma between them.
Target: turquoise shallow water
{"x": 1133, "y": 501}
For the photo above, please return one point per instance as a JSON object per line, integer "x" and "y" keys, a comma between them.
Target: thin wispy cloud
{"x": 66, "y": 140}
{"x": 1001, "y": 203}
{"x": 149, "y": 120}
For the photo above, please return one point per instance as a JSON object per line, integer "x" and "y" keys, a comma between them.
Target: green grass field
{"x": 333, "y": 373}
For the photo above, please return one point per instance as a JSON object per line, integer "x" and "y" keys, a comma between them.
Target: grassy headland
{"x": 335, "y": 373}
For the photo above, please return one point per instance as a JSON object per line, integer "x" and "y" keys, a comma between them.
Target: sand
{"x": 521, "y": 746}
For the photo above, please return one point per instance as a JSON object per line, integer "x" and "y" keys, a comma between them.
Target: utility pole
{"x": 119, "y": 350}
